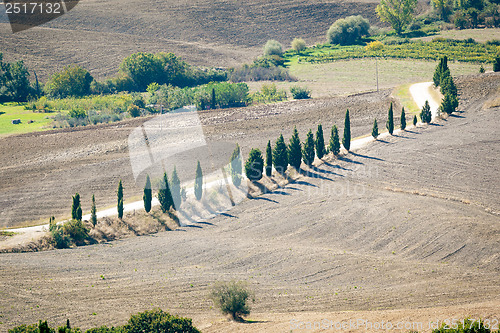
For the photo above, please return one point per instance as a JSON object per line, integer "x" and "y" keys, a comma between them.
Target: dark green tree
{"x": 441, "y": 71}
{"x": 269, "y": 159}
{"x": 415, "y": 120}
{"x": 198, "y": 183}
{"x": 120, "y": 199}
{"x": 280, "y": 156}
{"x": 236, "y": 168}
{"x": 164, "y": 195}
{"x": 496, "y": 65}
{"x": 175, "y": 190}
{"x": 334, "y": 144}
{"x": 308, "y": 150}
{"x": 346, "y": 140}
{"x": 93, "y": 212}
{"x": 213, "y": 100}
{"x": 425, "y": 114}
{"x": 294, "y": 150}
{"x": 403, "y": 119}
{"x": 390, "y": 121}
{"x": 254, "y": 166}
{"x": 147, "y": 197}
{"x": 76, "y": 208}
{"x": 72, "y": 81}
{"x": 449, "y": 103}
{"x": 320, "y": 142}
{"x": 375, "y": 129}
{"x": 448, "y": 86}
{"x": 143, "y": 69}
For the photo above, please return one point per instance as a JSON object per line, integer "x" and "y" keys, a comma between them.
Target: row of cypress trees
{"x": 390, "y": 122}
{"x": 442, "y": 78}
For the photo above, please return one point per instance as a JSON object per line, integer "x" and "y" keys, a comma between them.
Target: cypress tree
{"x": 175, "y": 189}
{"x": 346, "y": 140}
{"x": 449, "y": 103}
{"x": 236, "y": 168}
{"x": 147, "y": 197}
{"x": 415, "y": 120}
{"x": 437, "y": 73}
{"x": 120, "y": 199}
{"x": 375, "y": 129}
{"x": 425, "y": 114}
{"x": 76, "y": 208}
{"x": 164, "y": 195}
{"x": 308, "y": 150}
{"x": 496, "y": 65}
{"x": 280, "y": 157}
{"x": 93, "y": 212}
{"x": 403, "y": 119}
{"x": 269, "y": 159}
{"x": 390, "y": 121}
{"x": 320, "y": 142}
{"x": 334, "y": 145}
{"x": 294, "y": 150}
{"x": 254, "y": 165}
{"x": 198, "y": 183}
{"x": 448, "y": 86}
{"x": 213, "y": 100}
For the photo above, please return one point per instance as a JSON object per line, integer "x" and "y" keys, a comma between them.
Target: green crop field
{"x": 10, "y": 111}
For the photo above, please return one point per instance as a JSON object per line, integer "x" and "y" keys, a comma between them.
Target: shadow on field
{"x": 310, "y": 174}
{"x": 326, "y": 171}
{"x": 368, "y": 157}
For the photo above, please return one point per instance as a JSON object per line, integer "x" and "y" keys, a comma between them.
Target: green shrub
{"x": 375, "y": 129}
{"x": 273, "y": 47}
{"x": 348, "y": 31}
{"x": 496, "y": 65}
{"x": 254, "y": 166}
{"x": 76, "y": 231}
{"x": 25, "y": 329}
{"x": 231, "y": 298}
{"x": 300, "y": 92}
{"x": 134, "y": 111}
{"x": 159, "y": 322}
{"x": 449, "y": 103}
{"x": 298, "y": 45}
{"x": 269, "y": 93}
{"x": 71, "y": 81}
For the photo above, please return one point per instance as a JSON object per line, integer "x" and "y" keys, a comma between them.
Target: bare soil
{"x": 406, "y": 229}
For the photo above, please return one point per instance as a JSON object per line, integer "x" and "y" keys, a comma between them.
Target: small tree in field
{"x": 176, "y": 189}
{"x": 298, "y": 45}
{"x": 269, "y": 159}
{"x": 334, "y": 144}
{"x": 164, "y": 195}
{"x": 425, "y": 114}
{"x": 375, "y": 129}
{"x": 449, "y": 103}
{"x": 76, "y": 208}
{"x": 232, "y": 299}
{"x": 308, "y": 150}
{"x": 320, "y": 142}
{"x": 93, "y": 212}
{"x": 213, "y": 101}
{"x": 236, "y": 169}
{"x": 346, "y": 140}
{"x": 147, "y": 197}
{"x": 294, "y": 150}
{"x": 390, "y": 121}
{"x": 273, "y": 47}
{"x": 403, "y": 119}
{"x": 198, "y": 183}
{"x": 254, "y": 166}
{"x": 280, "y": 155}
{"x": 119, "y": 194}
{"x": 415, "y": 120}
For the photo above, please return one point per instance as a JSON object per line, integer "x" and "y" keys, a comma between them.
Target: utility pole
{"x": 376, "y": 69}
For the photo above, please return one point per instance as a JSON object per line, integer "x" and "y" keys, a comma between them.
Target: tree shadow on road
{"x": 368, "y": 157}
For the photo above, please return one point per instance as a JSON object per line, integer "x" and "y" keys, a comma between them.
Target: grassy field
{"x": 359, "y": 75}
{"x": 10, "y": 111}
{"x": 479, "y": 35}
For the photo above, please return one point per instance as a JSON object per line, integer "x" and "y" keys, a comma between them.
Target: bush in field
{"x": 134, "y": 111}
{"x": 348, "y": 31}
{"x": 231, "y": 298}
{"x": 269, "y": 93}
{"x": 295, "y": 150}
{"x": 236, "y": 168}
{"x": 257, "y": 72}
{"x": 300, "y": 92}
{"x": 159, "y": 321}
{"x": 273, "y": 47}
{"x": 346, "y": 140}
{"x": 254, "y": 166}
{"x": 280, "y": 155}
{"x": 269, "y": 159}
{"x": 320, "y": 142}
{"x": 71, "y": 81}
{"x": 374, "y": 46}
{"x": 334, "y": 144}
{"x": 59, "y": 239}
{"x": 375, "y": 129}
{"x": 298, "y": 45}
{"x": 76, "y": 231}
{"x": 308, "y": 150}
{"x": 198, "y": 183}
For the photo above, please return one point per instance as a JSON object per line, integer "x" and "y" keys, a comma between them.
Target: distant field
{"x": 11, "y": 111}
{"x": 359, "y": 75}
{"x": 479, "y": 35}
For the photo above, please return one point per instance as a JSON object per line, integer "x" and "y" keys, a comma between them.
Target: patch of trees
{"x": 14, "y": 82}
{"x": 72, "y": 81}
{"x": 398, "y": 13}
{"x": 442, "y": 78}
{"x": 348, "y": 31}
{"x": 155, "y": 320}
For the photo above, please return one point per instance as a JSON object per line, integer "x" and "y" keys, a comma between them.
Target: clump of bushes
{"x": 269, "y": 93}
{"x": 298, "y": 45}
{"x": 232, "y": 299}
{"x": 71, "y": 232}
{"x": 273, "y": 47}
{"x": 155, "y": 320}
{"x": 348, "y": 31}
{"x": 300, "y": 92}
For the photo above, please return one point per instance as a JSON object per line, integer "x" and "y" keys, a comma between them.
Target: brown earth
{"x": 99, "y": 34}
{"x": 406, "y": 229}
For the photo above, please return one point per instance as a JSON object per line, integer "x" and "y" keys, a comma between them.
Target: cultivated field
{"x": 405, "y": 229}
